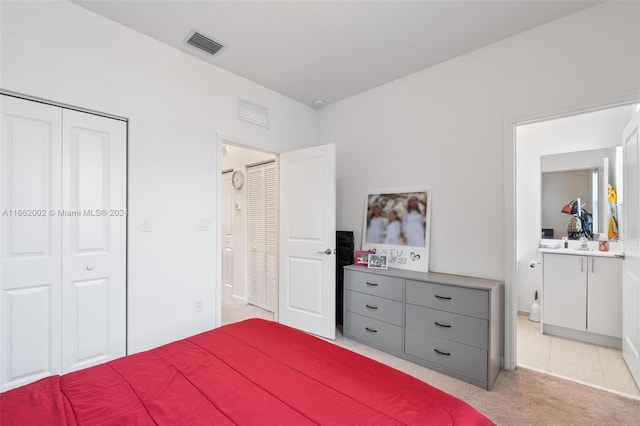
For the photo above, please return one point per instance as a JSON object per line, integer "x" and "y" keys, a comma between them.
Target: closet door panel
{"x": 256, "y": 236}
{"x": 30, "y": 244}
{"x": 94, "y": 254}
{"x": 271, "y": 203}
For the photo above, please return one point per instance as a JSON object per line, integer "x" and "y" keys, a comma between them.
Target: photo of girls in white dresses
{"x": 397, "y": 219}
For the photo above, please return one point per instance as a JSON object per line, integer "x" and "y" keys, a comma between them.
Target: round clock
{"x": 237, "y": 179}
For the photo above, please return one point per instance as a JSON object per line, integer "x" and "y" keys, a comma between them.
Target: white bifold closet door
{"x": 63, "y": 240}
{"x": 262, "y": 201}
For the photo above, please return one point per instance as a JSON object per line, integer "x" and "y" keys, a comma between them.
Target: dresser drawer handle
{"x": 372, "y": 284}
{"x": 371, "y": 330}
{"x": 442, "y": 353}
{"x": 443, "y": 297}
{"x": 371, "y": 307}
{"x": 442, "y": 325}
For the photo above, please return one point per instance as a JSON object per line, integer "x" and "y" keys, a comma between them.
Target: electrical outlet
{"x": 199, "y": 305}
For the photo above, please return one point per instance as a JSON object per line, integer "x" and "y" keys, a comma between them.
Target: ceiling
{"x": 331, "y": 50}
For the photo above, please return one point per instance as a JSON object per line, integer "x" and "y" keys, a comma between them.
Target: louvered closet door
{"x": 94, "y": 242}
{"x": 30, "y": 241}
{"x": 262, "y": 194}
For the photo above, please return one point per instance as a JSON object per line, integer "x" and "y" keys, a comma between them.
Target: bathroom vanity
{"x": 582, "y": 295}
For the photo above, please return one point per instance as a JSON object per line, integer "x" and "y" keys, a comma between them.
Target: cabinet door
{"x": 604, "y": 297}
{"x": 564, "y": 299}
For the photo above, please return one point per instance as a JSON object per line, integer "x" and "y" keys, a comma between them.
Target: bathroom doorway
{"x": 568, "y": 143}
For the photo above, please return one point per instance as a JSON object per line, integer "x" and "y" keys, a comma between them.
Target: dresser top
{"x": 432, "y": 277}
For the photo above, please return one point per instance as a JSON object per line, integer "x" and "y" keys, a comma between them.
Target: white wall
{"x": 176, "y": 104}
{"x": 601, "y": 129}
{"x": 444, "y": 126}
{"x": 238, "y": 158}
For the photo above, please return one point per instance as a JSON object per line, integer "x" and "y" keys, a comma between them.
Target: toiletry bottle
{"x": 566, "y": 242}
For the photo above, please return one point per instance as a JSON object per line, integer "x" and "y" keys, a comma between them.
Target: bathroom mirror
{"x": 585, "y": 175}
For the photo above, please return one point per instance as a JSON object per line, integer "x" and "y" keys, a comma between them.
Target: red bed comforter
{"x": 254, "y": 372}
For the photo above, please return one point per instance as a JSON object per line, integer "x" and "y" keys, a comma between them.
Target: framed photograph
{"x": 362, "y": 257}
{"x": 377, "y": 261}
{"x": 397, "y": 224}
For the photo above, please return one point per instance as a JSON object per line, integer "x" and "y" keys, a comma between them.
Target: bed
{"x": 254, "y": 372}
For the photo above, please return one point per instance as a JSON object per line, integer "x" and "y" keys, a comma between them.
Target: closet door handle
{"x": 371, "y": 330}
{"x": 90, "y": 267}
{"x": 593, "y": 265}
{"x": 443, "y": 297}
{"x": 442, "y": 325}
{"x": 582, "y": 264}
{"x": 372, "y": 284}
{"x": 371, "y": 307}
{"x": 442, "y": 353}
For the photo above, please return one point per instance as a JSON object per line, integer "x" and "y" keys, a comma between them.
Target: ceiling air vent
{"x": 254, "y": 114}
{"x": 205, "y": 43}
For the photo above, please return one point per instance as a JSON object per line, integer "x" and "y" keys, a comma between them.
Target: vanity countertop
{"x": 578, "y": 252}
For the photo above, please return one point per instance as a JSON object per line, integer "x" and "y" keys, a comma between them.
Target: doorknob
{"x": 327, "y": 251}
{"x": 90, "y": 267}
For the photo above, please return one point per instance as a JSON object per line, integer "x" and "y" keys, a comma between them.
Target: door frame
{"x": 509, "y": 179}
{"x": 221, "y": 139}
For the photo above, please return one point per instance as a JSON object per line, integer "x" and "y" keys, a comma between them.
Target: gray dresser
{"x": 449, "y": 323}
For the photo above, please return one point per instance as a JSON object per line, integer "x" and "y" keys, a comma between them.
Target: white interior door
{"x": 94, "y": 240}
{"x": 227, "y": 234}
{"x": 307, "y": 240}
{"x": 630, "y": 224}
{"x": 30, "y": 267}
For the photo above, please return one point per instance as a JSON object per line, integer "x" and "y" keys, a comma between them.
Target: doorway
{"x": 249, "y": 233}
{"x": 577, "y": 154}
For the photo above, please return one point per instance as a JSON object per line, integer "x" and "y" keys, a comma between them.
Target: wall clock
{"x": 237, "y": 179}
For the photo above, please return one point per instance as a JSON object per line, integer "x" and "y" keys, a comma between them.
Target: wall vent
{"x": 254, "y": 114}
{"x": 202, "y": 42}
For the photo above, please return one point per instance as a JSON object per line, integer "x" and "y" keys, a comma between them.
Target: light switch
{"x": 145, "y": 224}
{"x": 204, "y": 224}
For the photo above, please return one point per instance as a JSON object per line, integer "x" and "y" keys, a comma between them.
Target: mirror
{"x": 585, "y": 175}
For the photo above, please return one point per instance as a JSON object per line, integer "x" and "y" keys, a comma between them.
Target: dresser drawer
{"x": 466, "y": 360}
{"x": 378, "y": 333}
{"x": 374, "y": 284}
{"x": 459, "y": 328}
{"x": 373, "y": 307}
{"x": 460, "y": 300}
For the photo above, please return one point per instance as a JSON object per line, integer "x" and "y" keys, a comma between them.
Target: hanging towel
{"x": 613, "y": 209}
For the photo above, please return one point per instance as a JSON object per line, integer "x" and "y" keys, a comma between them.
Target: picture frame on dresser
{"x": 397, "y": 224}
{"x": 362, "y": 257}
{"x": 377, "y": 261}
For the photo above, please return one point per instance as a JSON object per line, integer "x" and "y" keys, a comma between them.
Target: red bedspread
{"x": 255, "y": 372}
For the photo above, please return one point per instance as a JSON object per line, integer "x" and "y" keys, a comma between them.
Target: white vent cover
{"x": 254, "y": 114}
{"x": 202, "y": 42}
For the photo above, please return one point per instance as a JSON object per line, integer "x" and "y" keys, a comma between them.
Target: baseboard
{"x": 583, "y": 336}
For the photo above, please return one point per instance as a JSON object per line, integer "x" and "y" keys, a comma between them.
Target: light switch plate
{"x": 204, "y": 224}
{"x": 145, "y": 224}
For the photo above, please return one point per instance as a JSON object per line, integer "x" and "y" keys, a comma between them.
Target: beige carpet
{"x": 522, "y": 397}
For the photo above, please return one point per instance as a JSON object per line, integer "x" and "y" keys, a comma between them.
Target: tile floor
{"x": 591, "y": 364}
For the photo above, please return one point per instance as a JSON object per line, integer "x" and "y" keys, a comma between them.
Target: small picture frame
{"x": 377, "y": 261}
{"x": 362, "y": 257}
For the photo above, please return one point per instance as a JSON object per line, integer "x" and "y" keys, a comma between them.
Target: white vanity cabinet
{"x": 604, "y": 296}
{"x": 565, "y": 291}
{"x": 582, "y": 297}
